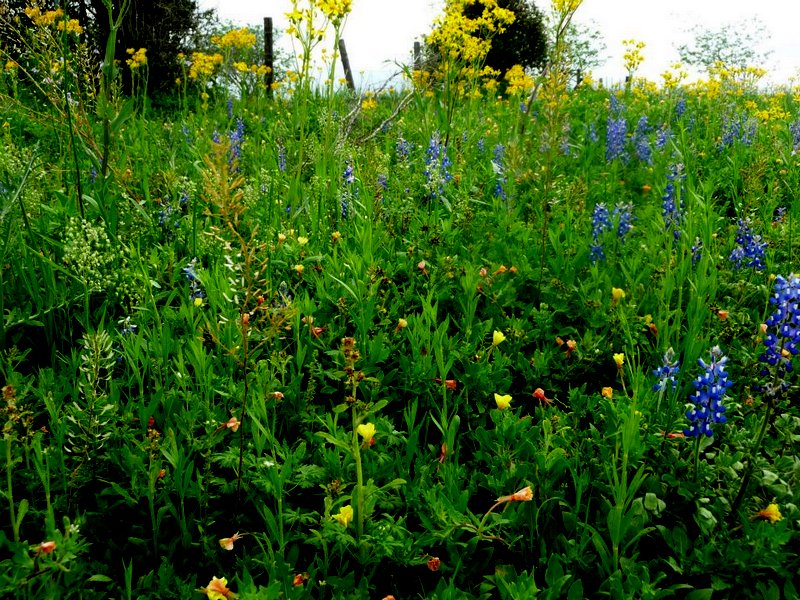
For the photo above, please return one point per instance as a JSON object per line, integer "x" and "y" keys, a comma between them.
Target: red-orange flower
{"x": 540, "y": 396}
{"x": 47, "y": 547}
{"x": 434, "y": 563}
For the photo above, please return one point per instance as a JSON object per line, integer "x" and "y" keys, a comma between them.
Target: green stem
{"x": 9, "y": 468}
{"x": 749, "y": 473}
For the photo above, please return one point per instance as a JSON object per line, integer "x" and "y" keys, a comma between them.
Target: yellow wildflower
{"x": 772, "y": 514}
{"x": 617, "y": 294}
{"x": 607, "y": 392}
{"x": 345, "y": 515}
{"x": 498, "y": 338}
{"x": 619, "y": 358}
{"x": 366, "y": 431}
{"x": 503, "y": 402}
{"x": 237, "y": 38}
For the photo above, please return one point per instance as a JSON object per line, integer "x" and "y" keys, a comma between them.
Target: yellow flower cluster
{"x": 566, "y": 6}
{"x": 519, "y": 82}
{"x": 633, "y": 56}
{"x": 774, "y": 111}
{"x": 137, "y": 58}
{"x": 11, "y": 65}
{"x": 203, "y": 65}
{"x": 334, "y": 10}
{"x": 237, "y": 38}
{"x": 44, "y": 19}
{"x": 460, "y": 38}
{"x": 71, "y": 25}
{"x": 672, "y": 79}
{"x": 243, "y": 67}
{"x": 369, "y": 103}
{"x": 54, "y": 17}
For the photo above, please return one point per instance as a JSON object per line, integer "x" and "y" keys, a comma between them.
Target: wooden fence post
{"x": 268, "y": 56}
{"x": 348, "y": 74}
{"x": 417, "y": 56}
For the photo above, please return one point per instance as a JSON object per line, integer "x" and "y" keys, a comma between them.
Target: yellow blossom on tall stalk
{"x": 203, "y": 65}
{"x": 519, "y": 82}
{"x": 138, "y": 58}
{"x": 633, "y": 56}
{"x": 238, "y": 38}
{"x": 463, "y": 42}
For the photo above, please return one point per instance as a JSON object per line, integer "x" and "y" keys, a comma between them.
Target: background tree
{"x": 733, "y": 45}
{"x": 164, "y": 27}
{"x": 524, "y": 42}
{"x": 585, "y": 47}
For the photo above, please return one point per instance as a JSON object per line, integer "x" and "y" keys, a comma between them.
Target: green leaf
{"x": 101, "y": 578}
{"x": 704, "y": 594}
{"x": 21, "y": 512}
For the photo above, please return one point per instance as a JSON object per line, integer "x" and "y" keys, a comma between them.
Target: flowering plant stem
{"x": 749, "y": 472}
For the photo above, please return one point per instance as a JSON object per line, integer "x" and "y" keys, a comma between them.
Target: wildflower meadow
{"x": 479, "y": 335}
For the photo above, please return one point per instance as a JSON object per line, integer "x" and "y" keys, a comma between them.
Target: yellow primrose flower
{"x": 366, "y": 431}
{"x": 617, "y": 294}
{"x": 503, "y": 402}
{"x": 619, "y": 358}
{"x": 302, "y": 240}
{"x": 498, "y": 338}
{"x": 607, "y": 392}
{"x": 345, "y": 515}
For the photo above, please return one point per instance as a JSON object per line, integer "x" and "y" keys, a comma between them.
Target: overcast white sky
{"x": 378, "y": 32}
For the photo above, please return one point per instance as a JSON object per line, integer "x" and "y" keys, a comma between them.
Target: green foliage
{"x": 277, "y": 346}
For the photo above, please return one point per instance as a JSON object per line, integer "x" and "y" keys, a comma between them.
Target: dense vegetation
{"x": 422, "y": 343}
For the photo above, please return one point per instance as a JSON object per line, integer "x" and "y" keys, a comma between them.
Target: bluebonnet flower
{"x": 749, "y": 250}
{"x": 794, "y": 129}
{"x": 523, "y": 107}
{"x": 623, "y": 214}
{"x": 783, "y": 332}
{"x": 641, "y": 142}
{"x": 697, "y": 250}
{"x": 591, "y": 133}
{"x": 184, "y": 199}
{"x": 229, "y": 107}
{"x": 662, "y": 137}
{"x": 282, "y": 158}
{"x": 709, "y": 396}
{"x": 127, "y": 327}
{"x": 564, "y": 146}
{"x": 350, "y": 190}
{"x": 187, "y": 135}
{"x": 497, "y": 165}
{"x": 601, "y": 222}
{"x": 667, "y": 372}
{"x": 383, "y": 181}
{"x": 616, "y": 132}
{"x": 779, "y": 215}
{"x": 215, "y": 137}
{"x": 92, "y": 174}
{"x": 283, "y": 297}
{"x": 481, "y": 146}
{"x": 680, "y": 107}
{"x": 195, "y": 285}
{"x": 437, "y": 166}
{"x": 672, "y": 212}
{"x": 403, "y": 148}
{"x": 739, "y": 129}
{"x": 236, "y": 137}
